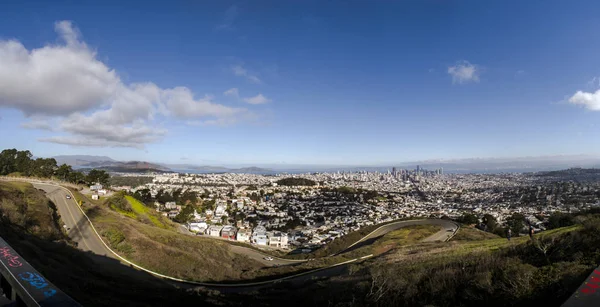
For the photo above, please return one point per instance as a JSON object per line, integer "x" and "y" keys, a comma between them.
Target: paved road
{"x": 80, "y": 229}
{"x": 449, "y": 228}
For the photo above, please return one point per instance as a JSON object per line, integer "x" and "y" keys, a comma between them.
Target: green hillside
{"x": 544, "y": 271}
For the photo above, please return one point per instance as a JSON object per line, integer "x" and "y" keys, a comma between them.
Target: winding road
{"x": 79, "y": 228}
{"x": 82, "y": 231}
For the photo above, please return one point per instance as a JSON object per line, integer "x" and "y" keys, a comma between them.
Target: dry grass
{"x": 24, "y": 205}
{"x": 472, "y": 234}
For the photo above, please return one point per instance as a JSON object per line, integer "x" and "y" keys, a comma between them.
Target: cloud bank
{"x": 63, "y": 87}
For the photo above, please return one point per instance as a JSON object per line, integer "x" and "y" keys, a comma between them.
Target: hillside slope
{"x": 29, "y": 225}
{"x": 544, "y": 271}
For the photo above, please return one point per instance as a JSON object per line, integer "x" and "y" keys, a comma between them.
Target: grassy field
{"x": 472, "y": 234}
{"x": 490, "y": 272}
{"x": 142, "y": 211}
{"x": 401, "y": 237}
{"x": 173, "y": 254}
{"x": 338, "y": 244}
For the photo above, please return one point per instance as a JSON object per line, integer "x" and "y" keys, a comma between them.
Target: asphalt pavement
{"x": 79, "y": 228}
{"x": 448, "y": 229}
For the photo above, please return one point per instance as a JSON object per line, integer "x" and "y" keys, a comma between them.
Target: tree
{"x": 516, "y": 222}
{"x": 558, "y": 219}
{"x": 12, "y": 160}
{"x": 41, "y": 167}
{"x": 143, "y": 195}
{"x": 23, "y": 162}
{"x": 490, "y": 222}
{"x": 63, "y": 172}
{"x": 468, "y": 219}
{"x": 7, "y": 161}
{"x": 188, "y": 196}
{"x": 76, "y": 177}
{"x": 185, "y": 215}
{"x": 98, "y": 176}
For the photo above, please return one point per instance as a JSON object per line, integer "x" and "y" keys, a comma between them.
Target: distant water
{"x": 369, "y": 169}
{"x": 269, "y": 172}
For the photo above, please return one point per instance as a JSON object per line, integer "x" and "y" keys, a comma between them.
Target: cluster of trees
{"x": 22, "y": 162}
{"x": 179, "y": 196}
{"x": 515, "y": 223}
{"x": 296, "y": 182}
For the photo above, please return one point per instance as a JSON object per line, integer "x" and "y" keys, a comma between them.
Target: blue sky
{"x": 300, "y": 82}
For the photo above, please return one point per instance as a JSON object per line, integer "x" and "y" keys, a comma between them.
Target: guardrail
{"x": 23, "y": 285}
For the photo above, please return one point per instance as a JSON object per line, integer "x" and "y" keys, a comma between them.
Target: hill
{"x": 29, "y": 223}
{"x": 136, "y": 231}
{"x": 81, "y": 160}
{"x": 544, "y": 271}
{"x": 105, "y": 163}
{"x": 293, "y": 181}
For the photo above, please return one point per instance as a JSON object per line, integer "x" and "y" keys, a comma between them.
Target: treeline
{"x": 21, "y": 162}
{"x": 132, "y": 181}
{"x": 296, "y": 182}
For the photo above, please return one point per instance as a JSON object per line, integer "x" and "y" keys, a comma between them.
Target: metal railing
{"x": 23, "y": 285}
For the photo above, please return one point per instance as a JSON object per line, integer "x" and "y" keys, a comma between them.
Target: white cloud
{"x": 67, "y": 86}
{"x": 231, "y": 15}
{"x": 258, "y": 99}
{"x": 182, "y": 104}
{"x": 38, "y": 122}
{"x": 590, "y": 101}
{"x": 232, "y": 92}
{"x": 240, "y": 71}
{"x": 464, "y": 72}
{"x": 594, "y": 83}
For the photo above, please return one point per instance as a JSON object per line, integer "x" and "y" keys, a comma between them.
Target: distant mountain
{"x": 208, "y": 168}
{"x": 252, "y": 169}
{"x": 81, "y": 160}
{"x": 101, "y": 162}
{"x": 221, "y": 169}
{"x": 516, "y": 164}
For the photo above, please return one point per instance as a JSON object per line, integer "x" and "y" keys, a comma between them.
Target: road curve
{"x": 83, "y": 232}
{"x": 449, "y": 228}
{"x": 79, "y": 228}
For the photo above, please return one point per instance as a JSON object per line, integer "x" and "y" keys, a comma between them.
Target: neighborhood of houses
{"x": 255, "y": 209}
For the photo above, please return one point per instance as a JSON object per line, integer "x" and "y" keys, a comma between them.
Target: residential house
{"x": 228, "y": 232}
{"x": 243, "y": 235}
{"x": 278, "y": 239}
{"x": 259, "y": 236}
{"x": 198, "y": 227}
{"x": 170, "y": 205}
{"x": 214, "y": 230}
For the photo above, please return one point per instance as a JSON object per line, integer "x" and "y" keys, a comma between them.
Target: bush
{"x": 114, "y": 236}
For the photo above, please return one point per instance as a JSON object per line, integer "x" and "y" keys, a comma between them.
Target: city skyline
{"x": 310, "y": 83}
